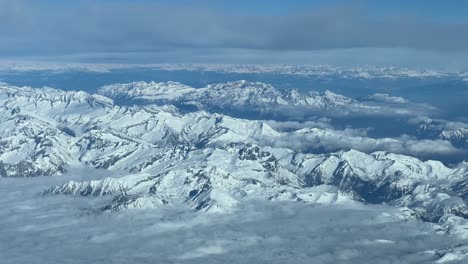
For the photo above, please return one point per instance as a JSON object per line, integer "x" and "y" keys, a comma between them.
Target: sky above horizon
{"x": 408, "y": 33}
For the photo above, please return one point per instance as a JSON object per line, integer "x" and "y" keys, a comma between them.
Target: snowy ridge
{"x": 243, "y": 98}
{"x": 107, "y": 186}
{"x": 455, "y": 132}
{"x": 238, "y": 93}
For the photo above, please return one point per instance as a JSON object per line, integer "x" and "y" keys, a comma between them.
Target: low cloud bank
{"x": 327, "y": 140}
{"x": 64, "y": 229}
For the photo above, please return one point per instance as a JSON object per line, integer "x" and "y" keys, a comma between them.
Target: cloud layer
{"x": 329, "y": 140}
{"x": 63, "y": 229}
{"x": 140, "y": 26}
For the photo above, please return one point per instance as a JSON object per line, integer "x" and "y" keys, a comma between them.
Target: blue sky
{"x": 410, "y": 33}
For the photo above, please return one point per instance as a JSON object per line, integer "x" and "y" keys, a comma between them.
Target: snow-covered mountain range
{"x": 244, "y": 98}
{"x": 210, "y": 161}
{"x": 320, "y": 71}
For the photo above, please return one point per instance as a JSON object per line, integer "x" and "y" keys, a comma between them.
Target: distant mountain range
{"x": 261, "y": 100}
{"x": 322, "y": 71}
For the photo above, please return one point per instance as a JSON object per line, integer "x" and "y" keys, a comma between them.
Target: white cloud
{"x": 329, "y": 140}
{"x": 386, "y": 98}
{"x": 65, "y": 229}
{"x": 323, "y": 123}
